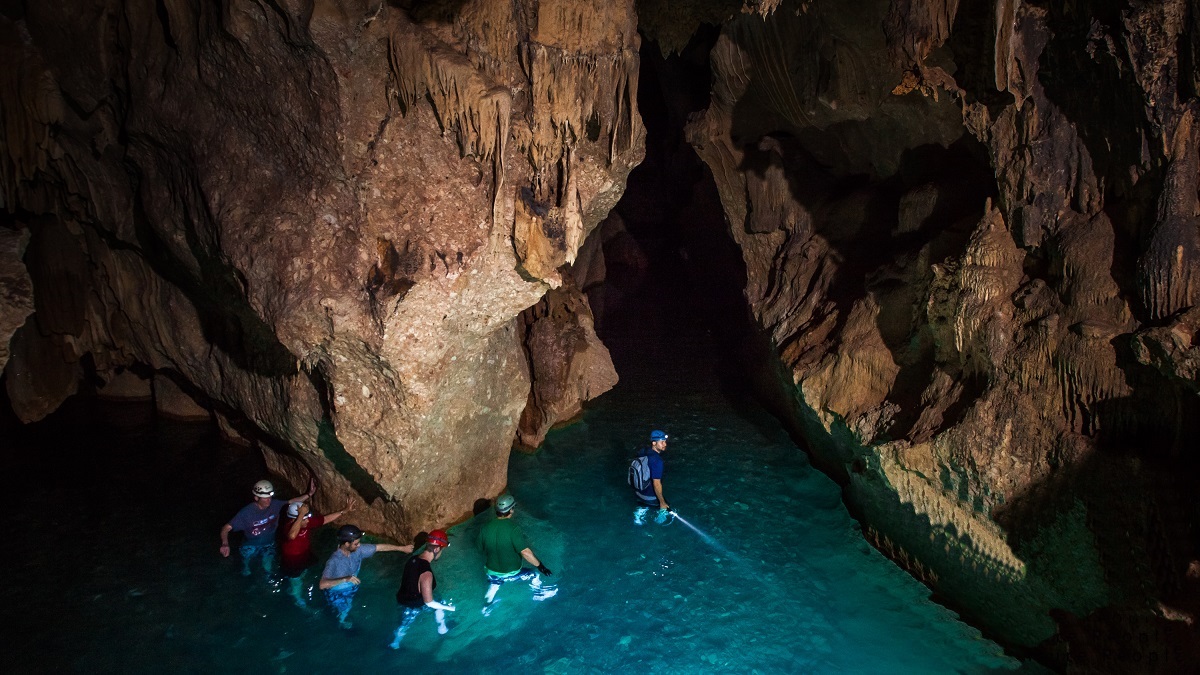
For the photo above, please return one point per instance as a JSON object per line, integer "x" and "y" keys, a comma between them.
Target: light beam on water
{"x": 704, "y": 536}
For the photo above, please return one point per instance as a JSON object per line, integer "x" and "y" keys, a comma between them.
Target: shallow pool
{"x": 114, "y": 519}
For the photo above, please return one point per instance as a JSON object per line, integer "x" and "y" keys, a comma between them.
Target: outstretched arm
{"x": 338, "y": 514}
{"x": 406, "y": 548}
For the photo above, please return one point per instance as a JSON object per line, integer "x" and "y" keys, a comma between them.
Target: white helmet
{"x": 263, "y": 488}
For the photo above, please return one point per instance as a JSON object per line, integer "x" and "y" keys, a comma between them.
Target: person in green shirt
{"x": 505, "y": 549}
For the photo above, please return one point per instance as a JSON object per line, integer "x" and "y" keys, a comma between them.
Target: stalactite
{"x": 476, "y": 111}
{"x": 914, "y": 28}
{"x": 570, "y": 90}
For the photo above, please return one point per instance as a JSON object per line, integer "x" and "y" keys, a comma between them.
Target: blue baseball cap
{"x": 657, "y": 435}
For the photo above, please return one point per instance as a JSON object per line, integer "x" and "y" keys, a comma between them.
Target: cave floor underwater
{"x": 116, "y": 567}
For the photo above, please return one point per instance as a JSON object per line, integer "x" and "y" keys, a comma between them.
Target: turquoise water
{"x": 114, "y": 526}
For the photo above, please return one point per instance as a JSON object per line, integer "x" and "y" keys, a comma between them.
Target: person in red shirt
{"x": 296, "y": 547}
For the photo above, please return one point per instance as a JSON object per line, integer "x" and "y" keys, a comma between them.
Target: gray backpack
{"x": 639, "y": 473}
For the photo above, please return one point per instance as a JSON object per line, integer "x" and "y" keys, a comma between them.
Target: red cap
{"x": 438, "y": 538}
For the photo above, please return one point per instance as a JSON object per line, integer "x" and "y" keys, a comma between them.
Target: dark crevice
{"x": 331, "y": 446}
{"x": 164, "y": 19}
{"x": 218, "y": 294}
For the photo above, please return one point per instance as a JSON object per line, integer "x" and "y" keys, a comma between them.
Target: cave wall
{"x": 970, "y": 233}
{"x": 322, "y": 217}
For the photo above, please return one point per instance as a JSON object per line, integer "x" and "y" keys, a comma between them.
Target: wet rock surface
{"x": 323, "y": 217}
{"x": 977, "y": 268}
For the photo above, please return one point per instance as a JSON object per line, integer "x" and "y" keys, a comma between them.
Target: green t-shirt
{"x": 502, "y": 542}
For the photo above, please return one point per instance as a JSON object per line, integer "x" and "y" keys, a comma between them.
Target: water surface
{"x": 114, "y": 518}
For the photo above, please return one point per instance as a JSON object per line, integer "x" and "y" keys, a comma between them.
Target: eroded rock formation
{"x": 355, "y": 230}
{"x": 323, "y": 216}
{"x": 978, "y": 268}
{"x": 16, "y": 289}
{"x": 568, "y": 362}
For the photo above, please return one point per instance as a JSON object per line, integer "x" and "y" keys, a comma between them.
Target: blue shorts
{"x": 523, "y": 574}
{"x": 341, "y": 598}
{"x": 266, "y": 552}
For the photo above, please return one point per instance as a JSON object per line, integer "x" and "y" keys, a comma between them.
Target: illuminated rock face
{"x": 977, "y": 265}
{"x": 969, "y": 230}
{"x": 326, "y": 216}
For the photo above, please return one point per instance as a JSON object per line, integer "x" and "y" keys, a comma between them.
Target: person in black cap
{"x": 340, "y": 578}
{"x": 652, "y": 495}
{"x": 295, "y": 545}
{"x": 416, "y": 588}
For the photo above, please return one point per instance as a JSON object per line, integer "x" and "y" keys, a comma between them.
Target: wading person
{"x": 416, "y": 588}
{"x": 258, "y": 521}
{"x": 340, "y": 578}
{"x": 505, "y": 549}
{"x": 645, "y": 476}
{"x": 295, "y": 546}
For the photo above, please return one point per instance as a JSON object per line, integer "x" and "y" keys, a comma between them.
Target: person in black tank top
{"x": 416, "y": 588}
{"x": 409, "y": 594}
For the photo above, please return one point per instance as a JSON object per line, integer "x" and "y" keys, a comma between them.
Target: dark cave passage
{"x": 670, "y": 252}
{"x": 674, "y": 266}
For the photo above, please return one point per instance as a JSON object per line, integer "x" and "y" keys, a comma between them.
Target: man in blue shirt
{"x": 340, "y": 578}
{"x": 652, "y": 494}
{"x": 258, "y": 520}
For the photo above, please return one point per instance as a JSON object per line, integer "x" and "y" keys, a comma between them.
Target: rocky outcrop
{"x": 126, "y": 385}
{"x": 173, "y": 402}
{"x": 324, "y": 216}
{"x": 568, "y": 362}
{"x": 1172, "y": 348}
{"x": 980, "y": 283}
{"x": 16, "y": 289}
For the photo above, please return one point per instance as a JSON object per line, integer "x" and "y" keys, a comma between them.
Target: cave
{"x": 938, "y": 259}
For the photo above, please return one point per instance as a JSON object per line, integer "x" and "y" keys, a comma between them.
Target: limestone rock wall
{"x": 16, "y": 289}
{"x": 568, "y": 361}
{"x": 977, "y": 265}
{"x": 323, "y": 215}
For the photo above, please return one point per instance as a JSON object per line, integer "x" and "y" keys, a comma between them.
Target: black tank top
{"x": 409, "y": 594}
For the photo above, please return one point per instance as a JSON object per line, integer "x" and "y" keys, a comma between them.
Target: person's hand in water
{"x": 544, "y": 570}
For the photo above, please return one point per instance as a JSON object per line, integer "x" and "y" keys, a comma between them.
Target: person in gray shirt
{"x": 258, "y": 520}
{"x": 340, "y": 578}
